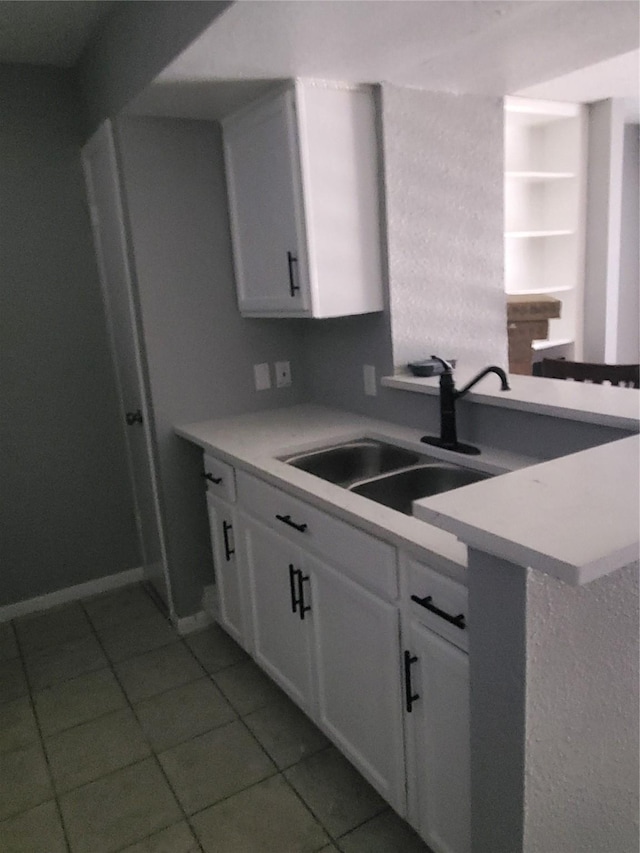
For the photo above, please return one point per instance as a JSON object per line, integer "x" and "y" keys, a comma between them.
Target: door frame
{"x": 102, "y": 142}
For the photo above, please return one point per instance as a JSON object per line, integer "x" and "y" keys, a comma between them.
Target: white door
{"x": 229, "y": 580}
{"x": 282, "y": 610}
{"x": 438, "y": 760}
{"x": 112, "y": 252}
{"x": 357, "y": 640}
{"x": 263, "y": 178}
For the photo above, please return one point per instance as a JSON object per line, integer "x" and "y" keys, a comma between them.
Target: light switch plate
{"x": 283, "y": 374}
{"x": 262, "y": 376}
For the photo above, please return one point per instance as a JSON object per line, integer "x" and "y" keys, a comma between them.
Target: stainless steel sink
{"x": 348, "y": 463}
{"x": 398, "y": 490}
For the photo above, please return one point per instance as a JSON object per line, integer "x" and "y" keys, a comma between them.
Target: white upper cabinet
{"x": 302, "y": 175}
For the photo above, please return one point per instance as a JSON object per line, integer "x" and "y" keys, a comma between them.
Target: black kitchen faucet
{"x": 448, "y": 395}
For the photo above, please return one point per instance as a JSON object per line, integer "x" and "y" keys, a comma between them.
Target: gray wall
{"x": 67, "y": 511}
{"x": 200, "y": 352}
{"x": 136, "y": 42}
{"x": 629, "y": 304}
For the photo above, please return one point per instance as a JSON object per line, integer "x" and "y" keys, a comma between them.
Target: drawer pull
{"x": 410, "y": 696}
{"x": 212, "y": 479}
{"x": 304, "y": 608}
{"x": 286, "y": 519}
{"x": 291, "y": 260}
{"x": 458, "y": 620}
{"x": 292, "y": 587}
{"x": 228, "y": 551}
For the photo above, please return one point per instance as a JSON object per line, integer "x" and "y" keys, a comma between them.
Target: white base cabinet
{"x": 359, "y": 686}
{"x": 438, "y": 762}
{"x": 282, "y": 630}
{"x": 329, "y": 642}
{"x": 437, "y": 737}
{"x": 370, "y": 643}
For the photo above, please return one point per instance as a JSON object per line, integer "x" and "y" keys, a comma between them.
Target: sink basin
{"x": 348, "y": 463}
{"x": 398, "y": 490}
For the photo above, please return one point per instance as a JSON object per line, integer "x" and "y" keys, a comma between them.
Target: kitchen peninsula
{"x": 548, "y": 553}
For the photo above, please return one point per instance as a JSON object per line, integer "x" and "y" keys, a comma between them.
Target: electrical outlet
{"x": 262, "y": 376}
{"x": 283, "y": 374}
{"x": 369, "y": 373}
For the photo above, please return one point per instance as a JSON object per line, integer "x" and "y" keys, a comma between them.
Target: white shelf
{"x": 552, "y": 342}
{"x": 539, "y": 176}
{"x": 550, "y": 233}
{"x": 533, "y": 291}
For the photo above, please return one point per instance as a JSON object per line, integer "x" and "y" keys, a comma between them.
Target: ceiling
{"x": 581, "y": 50}
{"x": 482, "y": 47}
{"x": 48, "y": 33}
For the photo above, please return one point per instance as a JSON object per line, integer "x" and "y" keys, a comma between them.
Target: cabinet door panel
{"x": 265, "y": 202}
{"x": 281, "y": 637}
{"x": 231, "y": 592}
{"x": 359, "y": 692}
{"x": 438, "y": 743}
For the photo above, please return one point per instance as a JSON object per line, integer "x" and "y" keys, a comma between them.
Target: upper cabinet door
{"x": 302, "y": 174}
{"x": 263, "y": 179}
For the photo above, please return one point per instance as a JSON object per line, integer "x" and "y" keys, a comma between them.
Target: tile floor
{"x": 118, "y": 735}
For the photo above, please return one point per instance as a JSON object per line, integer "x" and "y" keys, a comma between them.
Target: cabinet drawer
{"x": 220, "y": 478}
{"x": 441, "y": 599}
{"x": 365, "y": 558}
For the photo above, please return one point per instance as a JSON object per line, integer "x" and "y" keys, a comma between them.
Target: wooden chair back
{"x": 627, "y": 375}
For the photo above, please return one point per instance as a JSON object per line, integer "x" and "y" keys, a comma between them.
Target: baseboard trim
{"x": 189, "y": 624}
{"x": 71, "y": 593}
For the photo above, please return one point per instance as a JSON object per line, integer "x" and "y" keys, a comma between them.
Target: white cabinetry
{"x": 231, "y": 587}
{"x": 373, "y": 648}
{"x": 302, "y": 176}
{"x": 282, "y": 614}
{"x": 359, "y": 688}
{"x": 331, "y": 643}
{"x": 544, "y": 210}
{"x": 437, "y": 706}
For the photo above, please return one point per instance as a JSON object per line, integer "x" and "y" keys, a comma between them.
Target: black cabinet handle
{"x": 304, "y": 608}
{"x": 286, "y": 519}
{"x": 410, "y": 696}
{"x": 228, "y": 551}
{"x": 292, "y": 587}
{"x": 211, "y": 478}
{"x": 133, "y": 417}
{"x": 291, "y": 260}
{"x": 458, "y": 620}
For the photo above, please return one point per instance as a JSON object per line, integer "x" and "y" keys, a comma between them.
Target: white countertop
{"x": 575, "y": 518}
{"x": 253, "y": 442}
{"x": 578, "y": 401}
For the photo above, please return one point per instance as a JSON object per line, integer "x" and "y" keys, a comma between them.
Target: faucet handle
{"x": 448, "y": 367}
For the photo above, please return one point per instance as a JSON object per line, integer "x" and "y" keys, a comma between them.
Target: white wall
{"x": 629, "y": 304}
{"x": 554, "y": 711}
{"x": 443, "y": 173}
{"x": 602, "y": 245}
{"x": 582, "y": 715}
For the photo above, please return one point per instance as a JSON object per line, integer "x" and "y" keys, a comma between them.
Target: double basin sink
{"x": 384, "y": 473}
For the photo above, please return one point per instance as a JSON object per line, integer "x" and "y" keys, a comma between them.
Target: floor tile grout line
{"x": 155, "y": 758}
{"x": 43, "y": 748}
{"x": 154, "y": 753}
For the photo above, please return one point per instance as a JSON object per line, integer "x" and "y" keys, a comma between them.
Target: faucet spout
{"x": 499, "y": 372}
{"x": 448, "y": 395}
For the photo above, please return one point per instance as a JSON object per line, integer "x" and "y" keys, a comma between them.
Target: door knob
{"x": 133, "y": 417}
